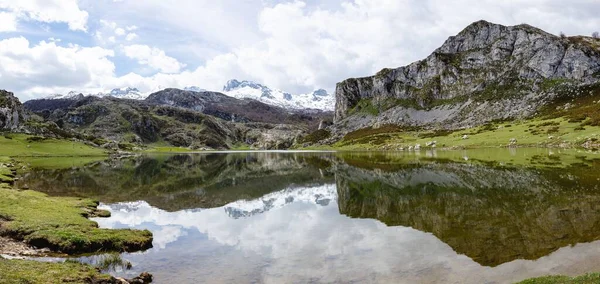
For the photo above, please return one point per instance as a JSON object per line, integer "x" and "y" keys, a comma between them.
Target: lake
{"x": 476, "y": 216}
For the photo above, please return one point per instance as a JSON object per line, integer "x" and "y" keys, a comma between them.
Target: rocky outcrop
{"x": 484, "y": 73}
{"x": 12, "y": 114}
{"x": 269, "y": 137}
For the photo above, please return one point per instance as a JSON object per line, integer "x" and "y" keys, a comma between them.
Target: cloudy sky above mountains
{"x": 55, "y": 46}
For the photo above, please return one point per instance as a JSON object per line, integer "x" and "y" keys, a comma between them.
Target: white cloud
{"x": 120, "y": 31}
{"x": 48, "y": 68}
{"x": 131, "y": 36}
{"x": 153, "y": 57}
{"x": 8, "y": 22}
{"x": 49, "y": 11}
{"x": 109, "y": 33}
{"x": 302, "y": 47}
{"x": 108, "y": 24}
{"x": 294, "y": 46}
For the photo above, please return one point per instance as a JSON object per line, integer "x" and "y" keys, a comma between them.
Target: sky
{"x": 90, "y": 46}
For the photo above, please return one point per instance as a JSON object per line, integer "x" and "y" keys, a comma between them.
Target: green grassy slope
{"x": 22, "y": 145}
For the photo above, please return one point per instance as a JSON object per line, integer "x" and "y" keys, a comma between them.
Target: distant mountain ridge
{"x": 238, "y": 110}
{"x": 319, "y": 99}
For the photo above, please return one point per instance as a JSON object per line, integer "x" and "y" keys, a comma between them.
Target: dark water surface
{"x": 486, "y": 216}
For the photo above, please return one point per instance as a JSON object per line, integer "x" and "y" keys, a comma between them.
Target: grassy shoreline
{"x": 58, "y": 223}
{"x": 590, "y": 278}
{"x": 62, "y": 225}
{"x": 534, "y": 133}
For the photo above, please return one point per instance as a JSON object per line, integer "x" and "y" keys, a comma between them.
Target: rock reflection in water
{"x": 491, "y": 214}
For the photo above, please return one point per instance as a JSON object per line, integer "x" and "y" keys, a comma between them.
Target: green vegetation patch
{"x": 591, "y": 278}
{"x": 370, "y": 135}
{"x": 316, "y": 136}
{"x": 22, "y": 145}
{"x": 6, "y": 173}
{"x": 25, "y": 271}
{"x": 61, "y": 224}
{"x": 365, "y": 106}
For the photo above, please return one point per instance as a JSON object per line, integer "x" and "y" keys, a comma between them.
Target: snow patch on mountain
{"x": 127, "y": 93}
{"x": 194, "y": 89}
{"x": 121, "y": 93}
{"x": 70, "y": 95}
{"x": 319, "y": 99}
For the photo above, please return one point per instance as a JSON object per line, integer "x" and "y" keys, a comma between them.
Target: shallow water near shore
{"x": 474, "y": 216}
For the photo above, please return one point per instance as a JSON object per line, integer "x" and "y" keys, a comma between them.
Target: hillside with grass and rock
{"x": 488, "y": 86}
{"x": 485, "y": 76}
{"x": 179, "y": 118}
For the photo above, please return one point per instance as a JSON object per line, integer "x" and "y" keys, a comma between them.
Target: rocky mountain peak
{"x": 235, "y": 84}
{"x": 320, "y": 93}
{"x": 487, "y": 71}
{"x": 126, "y": 90}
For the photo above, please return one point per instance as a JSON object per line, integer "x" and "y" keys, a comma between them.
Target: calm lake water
{"x": 484, "y": 216}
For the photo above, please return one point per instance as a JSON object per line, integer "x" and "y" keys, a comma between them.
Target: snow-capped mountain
{"x": 318, "y": 99}
{"x": 126, "y": 93}
{"x": 121, "y": 93}
{"x": 70, "y": 95}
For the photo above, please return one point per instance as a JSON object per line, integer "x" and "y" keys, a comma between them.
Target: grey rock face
{"x": 486, "y": 72}
{"x": 277, "y": 137}
{"x": 11, "y": 111}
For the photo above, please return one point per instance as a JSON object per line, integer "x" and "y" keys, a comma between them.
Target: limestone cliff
{"x": 12, "y": 114}
{"x": 486, "y": 72}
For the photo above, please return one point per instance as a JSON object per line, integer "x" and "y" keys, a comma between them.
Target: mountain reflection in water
{"x": 347, "y": 217}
